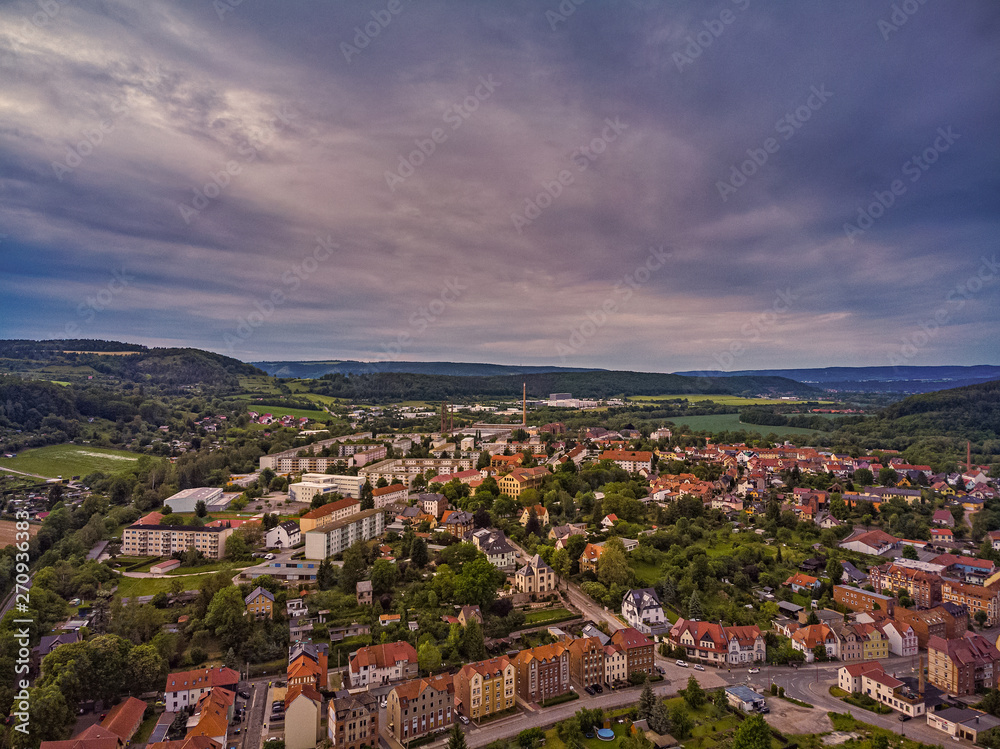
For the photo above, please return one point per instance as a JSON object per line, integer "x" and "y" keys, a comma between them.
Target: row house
{"x": 586, "y": 661}
{"x": 486, "y": 687}
{"x": 939, "y": 622}
{"x": 964, "y": 665}
{"x": 871, "y": 679}
{"x": 543, "y": 672}
{"x": 923, "y": 586}
{"x": 857, "y": 599}
{"x": 638, "y": 650}
{"x": 421, "y": 706}
{"x": 352, "y": 722}
{"x": 184, "y": 688}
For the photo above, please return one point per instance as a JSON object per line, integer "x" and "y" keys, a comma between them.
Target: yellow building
{"x": 486, "y": 687}
{"x": 875, "y": 644}
{"x": 260, "y": 604}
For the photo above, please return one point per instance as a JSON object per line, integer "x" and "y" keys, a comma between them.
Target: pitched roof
{"x": 258, "y": 591}
{"x": 303, "y": 690}
{"x": 485, "y": 668}
{"x": 412, "y": 689}
{"x": 629, "y": 638}
{"x": 332, "y": 507}
{"x": 391, "y": 489}
{"x": 200, "y": 678}
{"x": 124, "y": 718}
{"x": 383, "y": 656}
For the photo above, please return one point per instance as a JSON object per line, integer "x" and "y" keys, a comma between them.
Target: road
{"x": 8, "y": 603}
{"x": 253, "y": 722}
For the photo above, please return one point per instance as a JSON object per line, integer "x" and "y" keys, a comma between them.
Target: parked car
{"x": 698, "y": 667}
{"x": 754, "y": 671}
{"x": 464, "y": 720}
{"x": 682, "y": 664}
{"x": 660, "y": 670}
{"x": 903, "y": 717}
{"x": 383, "y": 703}
{"x": 269, "y": 556}
{"x": 244, "y": 694}
{"x": 589, "y": 690}
{"x": 598, "y": 688}
{"x": 764, "y": 709}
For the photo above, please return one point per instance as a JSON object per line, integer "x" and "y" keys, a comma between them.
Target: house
{"x": 468, "y": 613}
{"x": 638, "y": 650}
{"x": 433, "y": 504}
{"x": 852, "y": 575}
{"x": 486, "y": 687}
{"x": 802, "y": 583}
{"x": 542, "y": 672}
{"x": 590, "y": 557}
{"x": 308, "y": 664}
{"x": 535, "y": 578}
{"x": 875, "y": 542}
{"x": 642, "y": 610}
{"x": 260, "y": 603}
{"x": 124, "y": 719}
{"x": 283, "y": 536}
{"x": 421, "y": 706}
{"x": 48, "y": 643}
{"x": 352, "y": 721}
{"x": 615, "y": 664}
{"x": 540, "y": 512}
{"x": 386, "y": 619}
{"x": 942, "y": 535}
{"x": 564, "y": 532}
{"x": 382, "y": 664}
{"x": 609, "y": 521}
{"x": 457, "y": 522}
{"x": 805, "y": 639}
{"x": 631, "y": 461}
{"x": 364, "y": 592}
{"x": 963, "y": 665}
{"x": 961, "y": 722}
{"x": 521, "y": 479}
{"x": 212, "y": 714}
{"x": 185, "y": 687}
{"x": 871, "y": 680}
{"x": 303, "y": 717}
{"x": 494, "y": 544}
{"x": 744, "y": 698}
{"x": 945, "y": 518}
{"x": 901, "y": 636}
{"x": 713, "y": 643}
{"x": 586, "y": 661}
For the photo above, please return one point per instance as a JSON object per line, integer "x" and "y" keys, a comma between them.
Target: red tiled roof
{"x": 124, "y": 718}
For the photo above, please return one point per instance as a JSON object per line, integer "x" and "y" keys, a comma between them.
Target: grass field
{"x": 545, "y": 615}
{"x": 731, "y": 423}
{"x": 722, "y": 399}
{"x": 129, "y": 587}
{"x": 70, "y": 460}
{"x": 279, "y": 411}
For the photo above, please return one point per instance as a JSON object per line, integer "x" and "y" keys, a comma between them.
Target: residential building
{"x": 802, "y": 583}
{"x": 535, "y": 578}
{"x": 641, "y": 609}
{"x": 323, "y": 483}
{"x": 871, "y": 679}
{"x": 540, "y": 512}
{"x": 303, "y": 717}
{"x": 364, "y": 592}
{"x": 260, "y": 603}
{"x": 713, "y": 643}
{"x": 185, "y": 687}
{"x": 805, "y": 639}
{"x": 337, "y": 537}
{"x": 421, "y": 706}
{"x": 521, "y": 479}
{"x": 615, "y": 664}
{"x": 744, "y": 698}
{"x": 960, "y": 722}
{"x": 964, "y": 665}
{"x": 494, "y": 544}
{"x": 638, "y": 650}
{"x": 631, "y": 461}
{"x": 920, "y": 581}
{"x": 164, "y": 540}
{"x": 874, "y": 643}
{"x": 935, "y": 622}
{"x": 432, "y": 504}
{"x": 283, "y": 536}
{"x": 352, "y": 722}
{"x": 586, "y": 661}
{"x": 985, "y": 598}
{"x": 212, "y": 713}
{"x": 457, "y": 522}
{"x": 383, "y": 664}
{"x": 564, "y": 532}
{"x": 901, "y": 636}
{"x": 308, "y": 663}
{"x": 388, "y": 495}
{"x": 124, "y": 719}
{"x": 468, "y": 613}
{"x": 870, "y": 542}
{"x": 486, "y": 687}
{"x": 590, "y": 557}
{"x": 329, "y": 513}
{"x": 542, "y": 672}
{"x": 404, "y": 470}
{"x": 862, "y": 600}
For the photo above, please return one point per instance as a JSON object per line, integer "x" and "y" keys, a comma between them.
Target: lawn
{"x": 541, "y": 616}
{"x": 130, "y": 587}
{"x": 646, "y": 574}
{"x": 278, "y": 411}
{"x": 70, "y": 460}
{"x": 213, "y": 567}
{"x": 732, "y": 423}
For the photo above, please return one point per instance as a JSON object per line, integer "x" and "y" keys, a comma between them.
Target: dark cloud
{"x": 210, "y": 157}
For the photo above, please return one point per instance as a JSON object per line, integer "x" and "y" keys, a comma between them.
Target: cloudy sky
{"x": 633, "y": 184}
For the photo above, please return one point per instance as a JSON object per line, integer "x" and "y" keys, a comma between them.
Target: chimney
{"x": 920, "y": 677}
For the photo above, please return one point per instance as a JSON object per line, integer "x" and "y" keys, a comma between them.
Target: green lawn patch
{"x": 542, "y": 616}
{"x": 145, "y": 728}
{"x": 298, "y": 413}
{"x": 130, "y": 587}
{"x": 70, "y": 460}
{"x": 839, "y": 693}
{"x": 646, "y": 574}
{"x": 732, "y": 423}
{"x": 213, "y": 567}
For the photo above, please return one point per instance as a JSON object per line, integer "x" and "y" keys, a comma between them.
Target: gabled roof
{"x": 629, "y": 638}
{"x": 124, "y": 718}
{"x": 201, "y": 678}
{"x": 302, "y": 690}
{"x": 383, "y": 656}
{"x": 259, "y": 591}
{"x": 411, "y": 690}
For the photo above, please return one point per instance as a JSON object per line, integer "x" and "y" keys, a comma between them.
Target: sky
{"x": 643, "y": 185}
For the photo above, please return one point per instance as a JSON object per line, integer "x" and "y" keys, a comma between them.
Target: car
{"x": 384, "y": 703}
{"x": 269, "y": 556}
{"x": 589, "y": 690}
{"x": 698, "y": 667}
{"x": 764, "y": 709}
{"x": 244, "y": 694}
{"x": 464, "y": 720}
{"x": 660, "y": 670}
{"x": 903, "y": 717}
{"x": 598, "y": 688}
{"x": 236, "y": 731}
{"x": 753, "y": 671}
{"x": 682, "y": 664}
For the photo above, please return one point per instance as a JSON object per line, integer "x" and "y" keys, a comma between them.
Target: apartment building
{"x": 536, "y": 577}
{"x": 543, "y": 672}
{"x": 862, "y": 600}
{"x": 329, "y": 513}
{"x": 164, "y": 540}
{"x": 185, "y": 687}
{"x": 638, "y": 650}
{"x": 421, "y": 706}
{"x": 985, "y": 598}
{"x": 520, "y": 479}
{"x": 389, "y": 495}
{"x": 404, "y": 470}
{"x": 383, "y": 664}
{"x": 964, "y": 665}
{"x": 337, "y": 537}
{"x": 921, "y": 583}
{"x": 324, "y": 483}
{"x": 486, "y": 687}
{"x": 586, "y": 661}
{"x": 713, "y": 643}
{"x": 352, "y": 722}
{"x": 631, "y": 461}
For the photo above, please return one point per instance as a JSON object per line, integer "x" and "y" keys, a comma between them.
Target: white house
{"x": 185, "y": 687}
{"x": 283, "y": 536}
{"x": 902, "y": 638}
{"x": 642, "y": 610}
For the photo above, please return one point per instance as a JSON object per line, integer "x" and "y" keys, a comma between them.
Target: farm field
{"x": 732, "y": 423}
{"x": 70, "y": 460}
{"x": 725, "y": 400}
{"x": 296, "y": 412}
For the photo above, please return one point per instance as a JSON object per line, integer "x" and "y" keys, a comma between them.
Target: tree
{"x": 646, "y": 702}
{"x": 753, "y": 733}
{"x": 367, "y": 500}
{"x": 533, "y": 525}
{"x": 326, "y": 575}
{"x": 659, "y": 719}
{"x": 418, "y": 553}
{"x": 819, "y": 652}
{"x": 429, "y": 657}
{"x": 681, "y": 722}
{"x": 980, "y": 617}
{"x": 694, "y": 606}
{"x": 570, "y": 733}
{"x": 200, "y": 508}
{"x": 385, "y": 575}
{"x": 721, "y": 702}
{"x": 561, "y": 563}
{"x": 834, "y": 570}
{"x": 612, "y": 567}
{"x": 456, "y": 738}
{"x": 909, "y": 552}
{"x": 887, "y": 476}
{"x": 146, "y": 669}
{"x": 694, "y": 695}
{"x": 225, "y": 617}
{"x": 478, "y": 582}
{"x": 472, "y": 641}
{"x": 863, "y": 477}
{"x": 880, "y": 741}
{"x": 354, "y": 568}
